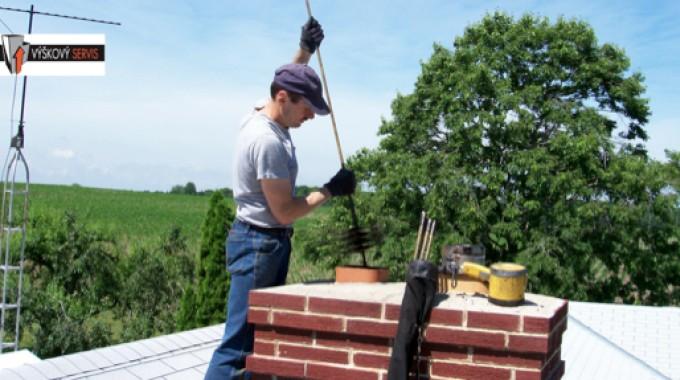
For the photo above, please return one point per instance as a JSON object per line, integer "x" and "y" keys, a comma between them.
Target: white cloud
{"x": 63, "y": 153}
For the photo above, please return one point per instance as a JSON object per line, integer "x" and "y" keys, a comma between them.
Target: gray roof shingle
{"x": 121, "y": 374}
{"x": 183, "y": 361}
{"x": 588, "y": 355}
{"x": 8, "y": 374}
{"x": 151, "y": 369}
{"x": 47, "y": 368}
{"x": 650, "y": 334}
{"x": 189, "y": 374}
{"x": 178, "y": 356}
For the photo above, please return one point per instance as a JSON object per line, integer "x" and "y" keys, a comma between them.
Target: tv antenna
{"x": 14, "y": 209}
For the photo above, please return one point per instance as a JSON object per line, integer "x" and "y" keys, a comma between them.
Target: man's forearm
{"x": 299, "y": 207}
{"x": 302, "y": 57}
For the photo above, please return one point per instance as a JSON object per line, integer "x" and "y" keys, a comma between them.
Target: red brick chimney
{"x": 345, "y": 331}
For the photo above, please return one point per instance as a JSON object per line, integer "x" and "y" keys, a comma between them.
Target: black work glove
{"x": 311, "y": 35}
{"x": 342, "y": 183}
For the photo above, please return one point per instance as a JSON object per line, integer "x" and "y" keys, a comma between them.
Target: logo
{"x": 52, "y": 54}
{"x": 14, "y": 52}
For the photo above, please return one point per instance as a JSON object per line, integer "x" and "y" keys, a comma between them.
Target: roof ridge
{"x": 616, "y": 346}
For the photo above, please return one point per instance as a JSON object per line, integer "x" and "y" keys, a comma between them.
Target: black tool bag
{"x": 421, "y": 287}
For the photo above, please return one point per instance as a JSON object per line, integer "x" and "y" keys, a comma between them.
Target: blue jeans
{"x": 255, "y": 259}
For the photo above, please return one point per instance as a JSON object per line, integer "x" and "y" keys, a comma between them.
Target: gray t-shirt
{"x": 264, "y": 150}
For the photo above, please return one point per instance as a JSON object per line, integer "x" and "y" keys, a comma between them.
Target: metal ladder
{"x": 12, "y": 243}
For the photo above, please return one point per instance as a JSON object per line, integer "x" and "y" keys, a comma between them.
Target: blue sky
{"x": 182, "y": 74}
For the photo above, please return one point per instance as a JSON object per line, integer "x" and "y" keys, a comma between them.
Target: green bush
{"x": 205, "y": 303}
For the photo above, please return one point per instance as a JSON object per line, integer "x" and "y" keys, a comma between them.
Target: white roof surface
{"x": 600, "y": 337}
{"x": 17, "y": 358}
{"x": 602, "y": 341}
{"x": 183, "y": 355}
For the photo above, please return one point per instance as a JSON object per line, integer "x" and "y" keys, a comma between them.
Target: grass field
{"x": 144, "y": 218}
{"x": 131, "y": 215}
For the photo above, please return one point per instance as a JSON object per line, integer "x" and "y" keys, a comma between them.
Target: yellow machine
{"x": 507, "y": 281}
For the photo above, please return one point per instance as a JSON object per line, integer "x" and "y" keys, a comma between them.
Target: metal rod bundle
{"x": 424, "y": 238}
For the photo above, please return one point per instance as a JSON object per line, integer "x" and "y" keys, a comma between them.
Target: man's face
{"x": 294, "y": 114}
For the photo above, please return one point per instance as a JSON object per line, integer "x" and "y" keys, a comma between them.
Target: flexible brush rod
{"x": 328, "y": 96}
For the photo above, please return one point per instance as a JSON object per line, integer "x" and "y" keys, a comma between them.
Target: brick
{"x": 539, "y": 325}
{"x": 258, "y": 316}
{"x": 283, "y": 334}
{"x": 561, "y": 327}
{"x": 550, "y": 371}
{"x": 308, "y": 322}
{"x": 528, "y": 375}
{"x": 362, "y": 359}
{"x": 446, "y": 317}
{"x": 313, "y": 354}
{"x": 545, "y": 325}
{"x": 349, "y": 308}
{"x": 325, "y": 372}
{"x": 504, "y": 358}
{"x": 494, "y": 321}
{"x": 354, "y": 342}
{"x": 464, "y": 371}
{"x": 560, "y": 314}
{"x": 381, "y": 329}
{"x": 276, "y": 367}
{"x": 525, "y": 343}
{"x": 555, "y": 341}
{"x": 392, "y": 311}
{"x": 264, "y": 348}
{"x": 440, "y": 351}
{"x": 465, "y": 337}
{"x": 278, "y": 301}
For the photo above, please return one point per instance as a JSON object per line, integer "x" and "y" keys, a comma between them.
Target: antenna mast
{"x": 14, "y": 214}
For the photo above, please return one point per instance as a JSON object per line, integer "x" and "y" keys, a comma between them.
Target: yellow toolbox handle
{"x": 475, "y": 270}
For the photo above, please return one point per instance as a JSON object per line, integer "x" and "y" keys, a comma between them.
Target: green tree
{"x": 61, "y": 323}
{"x": 190, "y": 188}
{"x": 71, "y": 281}
{"x": 673, "y": 169}
{"x": 508, "y": 140}
{"x": 177, "y": 189}
{"x": 205, "y": 302}
{"x": 151, "y": 287}
{"x": 227, "y": 192}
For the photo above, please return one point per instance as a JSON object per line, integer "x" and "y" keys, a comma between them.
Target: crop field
{"x": 131, "y": 215}
{"x": 136, "y": 217}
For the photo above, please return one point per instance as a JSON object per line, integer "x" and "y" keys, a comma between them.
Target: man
{"x": 258, "y": 246}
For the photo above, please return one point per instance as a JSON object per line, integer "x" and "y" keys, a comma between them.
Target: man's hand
{"x": 342, "y": 183}
{"x": 311, "y": 35}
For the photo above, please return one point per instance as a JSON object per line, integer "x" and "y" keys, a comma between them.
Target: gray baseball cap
{"x": 301, "y": 79}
